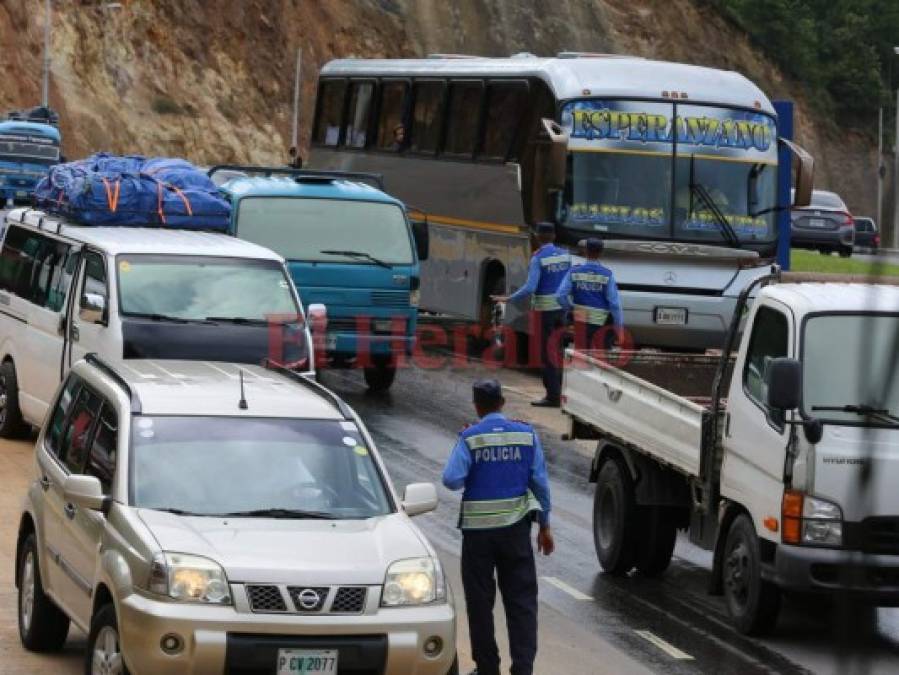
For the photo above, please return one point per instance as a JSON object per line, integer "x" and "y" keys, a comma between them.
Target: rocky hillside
{"x": 212, "y": 79}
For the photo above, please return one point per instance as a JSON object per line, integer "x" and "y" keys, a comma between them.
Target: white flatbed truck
{"x": 781, "y": 456}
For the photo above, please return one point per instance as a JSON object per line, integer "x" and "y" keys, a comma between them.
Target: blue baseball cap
{"x": 546, "y": 227}
{"x": 594, "y": 245}
{"x": 487, "y": 391}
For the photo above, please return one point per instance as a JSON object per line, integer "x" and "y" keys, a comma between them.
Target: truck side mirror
{"x": 421, "y": 234}
{"x": 556, "y": 158}
{"x": 804, "y": 177}
{"x": 784, "y": 380}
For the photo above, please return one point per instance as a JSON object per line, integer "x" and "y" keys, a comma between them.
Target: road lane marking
{"x": 666, "y": 647}
{"x": 562, "y": 586}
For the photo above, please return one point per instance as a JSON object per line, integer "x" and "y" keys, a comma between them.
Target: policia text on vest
{"x": 499, "y": 465}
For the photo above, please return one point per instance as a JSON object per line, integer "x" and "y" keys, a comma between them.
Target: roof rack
{"x": 338, "y": 402}
{"x": 454, "y": 56}
{"x": 594, "y": 55}
{"x": 268, "y": 171}
{"x": 110, "y": 372}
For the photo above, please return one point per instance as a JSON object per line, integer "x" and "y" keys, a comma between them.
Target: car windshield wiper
{"x": 282, "y": 513}
{"x": 357, "y": 254}
{"x": 863, "y": 409}
{"x": 159, "y": 317}
{"x": 700, "y": 191}
{"x": 181, "y": 512}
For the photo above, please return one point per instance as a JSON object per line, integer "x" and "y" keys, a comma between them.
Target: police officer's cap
{"x": 594, "y": 245}
{"x": 487, "y": 392}
{"x": 545, "y": 227}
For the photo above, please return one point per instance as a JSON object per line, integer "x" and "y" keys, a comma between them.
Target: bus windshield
{"x": 664, "y": 171}
{"x": 327, "y": 230}
{"x": 28, "y": 149}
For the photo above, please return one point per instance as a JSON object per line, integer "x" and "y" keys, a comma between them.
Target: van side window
{"x": 79, "y": 430}
{"x": 63, "y": 274}
{"x": 17, "y": 260}
{"x": 101, "y": 461}
{"x": 61, "y": 413}
{"x": 464, "y": 117}
{"x": 49, "y": 266}
{"x": 331, "y": 95}
{"x": 391, "y": 126}
{"x": 768, "y": 341}
{"x": 356, "y": 129}
{"x": 94, "y": 276}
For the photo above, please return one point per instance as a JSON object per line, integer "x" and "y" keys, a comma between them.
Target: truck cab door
{"x": 755, "y": 437}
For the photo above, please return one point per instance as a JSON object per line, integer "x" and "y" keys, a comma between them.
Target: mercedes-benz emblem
{"x": 670, "y": 277}
{"x": 309, "y": 598}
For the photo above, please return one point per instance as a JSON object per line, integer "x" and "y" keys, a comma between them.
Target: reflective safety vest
{"x": 496, "y": 489}
{"x": 554, "y": 263}
{"x": 589, "y": 287}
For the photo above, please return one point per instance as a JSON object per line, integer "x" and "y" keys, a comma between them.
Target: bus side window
{"x": 391, "y": 125}
{"x": 331, "y": 96}
{"x": 356, "y": 129}
{"x": 427, "y": 116}
{"x": 506, "y": 103}
{"x": 464, "y": 117}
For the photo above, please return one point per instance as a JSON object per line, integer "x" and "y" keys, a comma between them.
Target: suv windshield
{"x": 302, "y": 228}
{"x": 240, "y": 466}
{"x": 197, "y": 288}
{"x": 864, "y": 382}
{"x": 670, "y": 171}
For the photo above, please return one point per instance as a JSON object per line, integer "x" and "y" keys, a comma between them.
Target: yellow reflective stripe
{"x": 543, "y": 303}
{"x": 492, "y": 513}
{"x": 500, "y": 438}
{"x": 590, "y": 314}
{"x": 553, "y": 259}
{"x": 590, "y": 277}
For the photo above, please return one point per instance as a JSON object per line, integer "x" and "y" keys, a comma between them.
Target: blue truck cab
{"x": 27, "y": 151}
{"x": 348, "y": 245}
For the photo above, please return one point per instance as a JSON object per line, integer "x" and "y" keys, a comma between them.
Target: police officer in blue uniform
{"x": 590, "y": 292}
{"x": 548, "y": 266}
{"x": 499, "y": 462}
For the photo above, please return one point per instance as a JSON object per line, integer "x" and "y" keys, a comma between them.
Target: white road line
{"x": 562, "y": 586}
{"x": 666, "y": 647}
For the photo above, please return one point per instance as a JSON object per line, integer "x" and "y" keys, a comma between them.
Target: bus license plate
{"x": 671, "y": 316}
{"x": 294, "y": 661}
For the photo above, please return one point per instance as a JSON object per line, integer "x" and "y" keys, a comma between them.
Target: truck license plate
{"x": 816, "y": 222}
{"x": 293, "y": 661}
{"x": 671, "y": 316}
{"x": 331, "y": 341}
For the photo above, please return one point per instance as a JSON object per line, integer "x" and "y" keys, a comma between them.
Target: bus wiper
{"x": 863, "y": 409}
{"x": 282, "y": 513}
{"x": 700, "y": 191}
{"x": 357, "y": 254}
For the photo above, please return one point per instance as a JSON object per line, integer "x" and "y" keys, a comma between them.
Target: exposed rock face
{"x": 212, "y": 79}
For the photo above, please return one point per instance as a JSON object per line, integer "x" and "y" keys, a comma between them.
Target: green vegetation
{"x": 163, "y": 105}
{"x": 842, "y": 50}
{"x": 812, "y": 261}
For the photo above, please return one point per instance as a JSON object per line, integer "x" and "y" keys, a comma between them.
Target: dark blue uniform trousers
{"x": 508, "y": 552}
{"x": 551, "y": 353}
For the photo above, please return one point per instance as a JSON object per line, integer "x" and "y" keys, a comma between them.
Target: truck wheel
{"x": 42, "y": 625}
{"x": 380, "y": 376}
{"x": 752, "y": 602}
{"x": 11, "y": 423}
{"x": 614, "y": 518}
{"x": 657, "y": 536}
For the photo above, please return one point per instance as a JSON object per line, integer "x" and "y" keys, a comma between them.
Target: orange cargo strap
{"x": 159, "y": 202}
{"x": 183, "y": 199}
{"x": 112, "y": 196}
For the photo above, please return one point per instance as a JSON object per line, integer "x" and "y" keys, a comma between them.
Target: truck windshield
{"x": 670, "y": 172}
{"x": 196, "y": 288}
{"x": 851, "y": 390}
{"x": 302, "y": 228}
{"x": 28, "y": 149}
{"x": 281, "y": 468}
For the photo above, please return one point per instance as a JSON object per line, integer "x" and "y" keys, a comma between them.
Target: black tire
{"x": 454, "y": 669}
{"x": 379, "y": 377}
{"x": 11, "y": 423}
{"x": 487, "y": 320}
{"x": 658, "y": 533}
{"x": 103, "y": 622}
{"x": 615, "y": 518}
{"x": 47, "y": 627}
{"x": 752, "y": 602}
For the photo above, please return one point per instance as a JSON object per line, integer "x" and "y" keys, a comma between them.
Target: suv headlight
{"x": 189, "y": 578}
{"x": 416, "y": 581}
{"x": 811, "y": 521}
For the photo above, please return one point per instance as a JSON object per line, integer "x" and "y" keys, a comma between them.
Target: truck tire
{"x": 42, "y": 625}
{"x": 615, "y": 518}
{"x": 658, "y": 533}
{"x": 752, "y": 602}
{"x": 11, "y": 423}
{"x": 379, "y": 377}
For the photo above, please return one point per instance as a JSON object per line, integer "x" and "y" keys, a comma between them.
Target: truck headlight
{"x": 811, "y": 521}
{"x": 414, "y": 297}
{"x": 416, "y": 581}
{"x": 189, "y": 578}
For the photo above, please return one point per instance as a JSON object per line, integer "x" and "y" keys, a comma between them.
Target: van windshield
{"x": 859, "y": 389}
{"x": 286, "y": 468}
{"x": 198, "y": 288}
{"x": 301, "y": 228}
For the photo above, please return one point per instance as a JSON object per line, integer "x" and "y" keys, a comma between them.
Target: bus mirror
{"x": 557, "y": 155}
{"x": 804, "y": 176}
{"x": 418, "y": 219}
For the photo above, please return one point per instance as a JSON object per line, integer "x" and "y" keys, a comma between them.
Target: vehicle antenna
{"x": 243, "y": 399}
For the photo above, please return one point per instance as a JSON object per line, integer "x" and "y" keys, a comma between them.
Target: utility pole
{"x": 895, "y": 228}
{"x": 294, "y": 140}
{"x": 45, "y": 85}
{"x": 880, "y": 167}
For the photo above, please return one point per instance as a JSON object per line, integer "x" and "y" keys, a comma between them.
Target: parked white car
{"x": 130, "y": 292}
{"x": 198, "y": 517}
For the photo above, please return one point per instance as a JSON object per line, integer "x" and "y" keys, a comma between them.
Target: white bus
{"x": 674, "y": 166}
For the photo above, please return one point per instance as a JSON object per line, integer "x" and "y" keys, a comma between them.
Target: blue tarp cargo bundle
{"x": 133, "y": 190}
